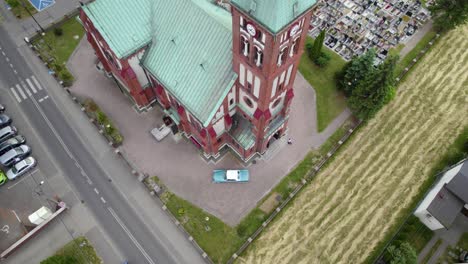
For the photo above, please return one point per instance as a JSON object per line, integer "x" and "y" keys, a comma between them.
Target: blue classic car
{"x": 220, "y": 176}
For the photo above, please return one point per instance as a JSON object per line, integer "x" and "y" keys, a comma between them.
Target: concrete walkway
{"x": 413, "y": 41}
{"x": 449, "y": 237}
{"x": 192, "y": 181}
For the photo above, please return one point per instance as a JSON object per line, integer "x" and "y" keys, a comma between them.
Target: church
{"x": 222, "y": 73}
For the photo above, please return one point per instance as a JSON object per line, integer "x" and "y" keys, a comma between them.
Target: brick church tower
{"x": 268, "y": 41}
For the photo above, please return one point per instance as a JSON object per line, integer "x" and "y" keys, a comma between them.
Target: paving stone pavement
{"x": 179, "y": 165}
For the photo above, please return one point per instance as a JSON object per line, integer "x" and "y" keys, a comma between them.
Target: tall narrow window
{"x": 282, "y": 56}
{"x": 245, "y": 46}
{"x": 294, "y": 48}
{"x": 258, "y": 57}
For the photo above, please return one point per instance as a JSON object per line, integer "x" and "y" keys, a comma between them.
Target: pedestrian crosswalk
{"x": 24, "y": 90}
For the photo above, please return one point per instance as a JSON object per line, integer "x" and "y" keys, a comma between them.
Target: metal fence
{"x": 307, "y": 178}
{"x": 310, "y": 175}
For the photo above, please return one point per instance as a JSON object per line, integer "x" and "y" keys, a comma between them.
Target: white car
{"x": 21, "y": 167}
{"x": 161, "y": 132}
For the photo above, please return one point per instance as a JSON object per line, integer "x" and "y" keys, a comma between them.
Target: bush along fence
{"x": 311, "y": 174}
{"x": 43, "y": 50}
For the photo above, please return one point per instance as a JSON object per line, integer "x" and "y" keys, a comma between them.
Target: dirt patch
{"x": 350, "y": 205}
{"x": 270, "y": 203}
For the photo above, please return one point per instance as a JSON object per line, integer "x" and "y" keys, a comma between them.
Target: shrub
{"x": 91, "y": 105}
{"x": 109, "y": 128}
{"x": 101, "y": 117}
{"x": 66, "y": 77}
{"x": 13, "y": 3}
{"x": 322, "y": 60}
{"x": 58, "y": 31}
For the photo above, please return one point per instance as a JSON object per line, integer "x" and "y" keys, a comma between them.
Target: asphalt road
{"x": 111, "y": 209}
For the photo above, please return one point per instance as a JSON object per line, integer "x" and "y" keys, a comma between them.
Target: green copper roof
{"x": 124, "y": 26}
{"x": 241, "y": 131}
{"x": 190, "y": 49}
{"x": 191, "y": 54}
{"x": 274, "y": 14}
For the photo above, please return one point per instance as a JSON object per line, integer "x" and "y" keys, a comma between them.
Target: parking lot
{"x": 23, "y": 196}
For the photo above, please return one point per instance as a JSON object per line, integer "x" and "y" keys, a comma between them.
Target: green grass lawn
{"x": 64, "y": 45}
{"x": 79, "y": 250}
{"x": 330, "y": 102}
{"x": 219, "y": 240}
{"x": 56, "y": 49}
{"x": 415, "y": 233}
{"x": 18, "y": 10}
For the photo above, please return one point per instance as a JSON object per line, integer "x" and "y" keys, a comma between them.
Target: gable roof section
{"x": 191, "y": 54}
{"x": 124, "y": 25}
{"x": 274, "y": 14}
{"x": 445, "y": 207}
{"x": 459, "y": 184}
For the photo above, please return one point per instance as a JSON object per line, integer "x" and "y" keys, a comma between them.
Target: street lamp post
{"x": 29, "y": 12}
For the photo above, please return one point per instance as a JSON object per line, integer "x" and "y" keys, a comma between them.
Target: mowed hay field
{"x": 349, "y": 207}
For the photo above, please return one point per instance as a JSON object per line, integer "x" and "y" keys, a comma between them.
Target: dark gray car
{"x": 2, "y": 108}
{"x": 11, "y": 143}
{"x": 4, "y": 120}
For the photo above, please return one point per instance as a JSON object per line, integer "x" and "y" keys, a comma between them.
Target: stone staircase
{"x": 275, "y": 148}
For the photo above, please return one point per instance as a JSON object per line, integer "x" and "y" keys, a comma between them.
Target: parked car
{"x": 220, "y": 176}
{"x": 3, "y": 178}
{"x": 14, "y": 155}
{"x": 11, "y": 143}
{"x": 2, "y": 108}
{"x": 7, "y": 132}
{"x": 21, "y": 168}
{"x": 5, "y": 120}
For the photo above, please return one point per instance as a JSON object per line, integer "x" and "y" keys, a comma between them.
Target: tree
{"x": 404, "y": 254}
{"x": 355, "y": 71}
{"x": 374, "y": 91}
{"x": 59, "y": 259}
{"x": 317, "y": 48}
{"x": 448, "y": 14}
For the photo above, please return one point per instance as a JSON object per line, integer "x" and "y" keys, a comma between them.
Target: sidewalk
{"x": 192, "y": 181}
{"x": 27, "y": 27}
{"x": 151, "y": 212}
{"x": 449, "y": 237}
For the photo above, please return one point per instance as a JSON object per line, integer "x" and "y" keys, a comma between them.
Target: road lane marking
{"x": 21, "y": 91}
{"x": 130, "y": 235}
{"x": 17, "y": 217}
{"x": 15, "y": 71}
{"x": 15, "y": 94}
{"x": 89, "y": 181}
{"x": 24, "y": 178}
{"x": 26, "y": 88}
{"x": 102, "y": 199}
{"x": 36, "y": 82}
{"x": 96, "y": 191}
{"x": 3, "y": 53}
{"x": 31, "y": 85}
{"x": 11, "y": 65}
{"x": 7, "y": 59}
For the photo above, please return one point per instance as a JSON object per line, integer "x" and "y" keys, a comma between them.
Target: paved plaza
{"x": 179, "y": 164}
